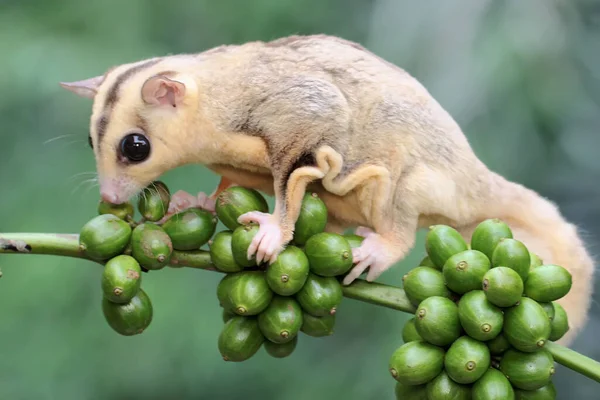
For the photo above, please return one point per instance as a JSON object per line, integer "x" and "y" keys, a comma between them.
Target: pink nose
{"x": 109, "y": 197}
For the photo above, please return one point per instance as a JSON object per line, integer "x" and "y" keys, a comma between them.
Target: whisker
{"x": 153, "y": 190}
{"x": 164, "y": 211}
{"x": 81, "y": 184}
{"x": 157, "y": 193}
{"x": 81, "y": 174}
{"x": 60, "y": 137}
{"x": 94, "y": 184}
{"x": 135, "y": 199}
{"x": 77, "y": 142}
{"x": 143, "y": 193}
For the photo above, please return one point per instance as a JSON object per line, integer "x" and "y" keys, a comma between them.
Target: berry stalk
{"x": 67, "y": 245}
{"x": 574, "y": 360}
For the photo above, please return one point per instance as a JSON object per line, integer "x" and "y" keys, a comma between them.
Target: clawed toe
{"x": 268, "y": 241}
{"x": 373, "y": 254}
{"x": 357, "y": 255}
{"x": 257, "y": 217}
{"x": 206, "y": 202}
{"x": 363, "y": 231}
{"x": 375, "y": 271}
{"x": 182, "y": 200}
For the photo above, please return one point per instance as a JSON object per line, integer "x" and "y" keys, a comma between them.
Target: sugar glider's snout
{"x": 117, "y": 190}
{"x": 109, "y": 196}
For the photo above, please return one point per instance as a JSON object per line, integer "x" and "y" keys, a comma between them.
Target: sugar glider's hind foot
{"x": 376, "y": 253}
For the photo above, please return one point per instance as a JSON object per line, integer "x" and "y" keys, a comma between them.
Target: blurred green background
{"x": 521, "y": 78}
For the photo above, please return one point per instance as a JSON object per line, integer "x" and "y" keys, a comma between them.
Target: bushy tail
{"x": 538, "y": 223}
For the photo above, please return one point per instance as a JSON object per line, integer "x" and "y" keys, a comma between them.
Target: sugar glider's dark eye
{"x": 135, "y": 147}
{"x": 90, "y": 142}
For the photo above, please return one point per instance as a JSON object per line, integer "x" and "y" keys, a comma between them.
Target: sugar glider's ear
{"x": 85, "y": 88}
{"x": 163, "y": 91}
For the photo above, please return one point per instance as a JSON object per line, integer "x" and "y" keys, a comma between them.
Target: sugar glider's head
{"x": 139, "y": 127}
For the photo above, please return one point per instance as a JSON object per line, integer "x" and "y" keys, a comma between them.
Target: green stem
{"x": 199, "y": 259}
{"x": 67, "y": 245}
{"x": 379, "y": 294}
{"x": 574, "y": 360}
{"x": 56, "y": 244}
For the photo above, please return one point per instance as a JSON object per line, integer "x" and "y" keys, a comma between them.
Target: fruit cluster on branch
{"x": 272, "y": 304}
{"x": 263, "y": 304}
{"x": 484, "y": 314}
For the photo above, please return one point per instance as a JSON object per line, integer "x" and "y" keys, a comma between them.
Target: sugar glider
{"x": 324, "y": 114}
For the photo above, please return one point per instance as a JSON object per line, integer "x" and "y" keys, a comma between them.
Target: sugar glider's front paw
{"x": 269, "y": 241}
{"x": 375, "y": 253}
{"x": 206, "y": 202}
{"x": 182, "y": 200}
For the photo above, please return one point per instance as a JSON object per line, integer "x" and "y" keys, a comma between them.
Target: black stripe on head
{"x": 113, "y": 95}
{"x": 101, "y": 126}
{"x": 113, "y": 92}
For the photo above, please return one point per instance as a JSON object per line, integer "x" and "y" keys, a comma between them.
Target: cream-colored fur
{"x": 323, "y": 114}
